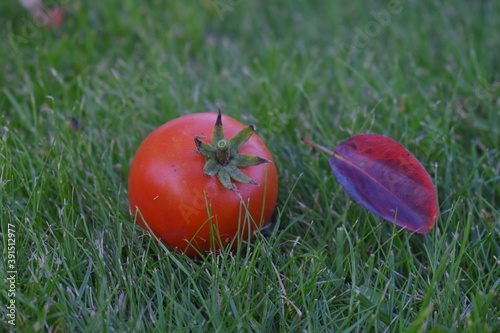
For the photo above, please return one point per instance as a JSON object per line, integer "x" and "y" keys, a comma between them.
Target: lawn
{"x": 77, "y": 100}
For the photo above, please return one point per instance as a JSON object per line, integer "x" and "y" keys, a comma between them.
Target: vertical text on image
{"x": 11, "y": 274}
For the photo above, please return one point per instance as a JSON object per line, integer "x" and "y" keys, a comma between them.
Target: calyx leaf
{"x": 222, "y": 157}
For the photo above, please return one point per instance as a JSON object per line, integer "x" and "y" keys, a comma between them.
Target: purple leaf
{"x": 384, "y": 177}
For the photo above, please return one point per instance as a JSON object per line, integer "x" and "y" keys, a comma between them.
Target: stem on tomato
{"x": 222, "y": 155}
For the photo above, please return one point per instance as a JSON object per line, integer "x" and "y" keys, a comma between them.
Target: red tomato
{"x": 169, "y": 190}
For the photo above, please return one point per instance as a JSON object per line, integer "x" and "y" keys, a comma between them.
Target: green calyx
{"x": 222, "y": 158}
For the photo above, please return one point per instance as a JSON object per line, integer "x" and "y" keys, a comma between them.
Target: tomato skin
{"x": 174, "y": 196}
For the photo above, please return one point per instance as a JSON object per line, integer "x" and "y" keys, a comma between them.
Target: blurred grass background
{"x": 77, "y": 100}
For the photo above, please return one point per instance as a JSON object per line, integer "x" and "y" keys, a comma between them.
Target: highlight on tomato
{"x": 198, "y": 187}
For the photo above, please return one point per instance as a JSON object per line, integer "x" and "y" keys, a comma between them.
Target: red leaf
{"x": 385, "y": 178}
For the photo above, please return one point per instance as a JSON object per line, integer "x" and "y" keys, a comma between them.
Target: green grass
{"x": 428, "y": 76}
